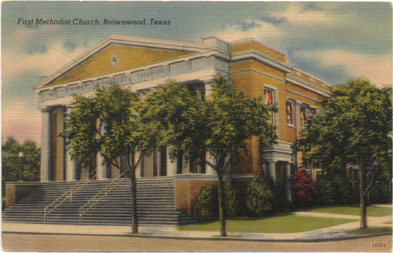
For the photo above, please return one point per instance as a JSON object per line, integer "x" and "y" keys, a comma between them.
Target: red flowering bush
{"x": 304, "y": 188}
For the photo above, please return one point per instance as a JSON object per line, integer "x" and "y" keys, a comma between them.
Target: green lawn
{"x": 276, "y": 224}
{"x": 353, "y": 210}
{"x": 371, "y": 230}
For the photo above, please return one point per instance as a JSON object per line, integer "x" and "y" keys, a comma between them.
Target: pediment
{"x": 112, "y": 58}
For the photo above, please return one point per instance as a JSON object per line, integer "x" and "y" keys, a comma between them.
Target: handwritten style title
{"x": 95, "y": 21}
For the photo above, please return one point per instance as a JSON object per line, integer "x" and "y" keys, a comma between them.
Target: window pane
{"x": 290, "y": 113}
{"x": 269, "y": 96}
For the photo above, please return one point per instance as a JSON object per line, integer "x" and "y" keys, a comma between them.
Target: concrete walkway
{"x": 334, "y": 232}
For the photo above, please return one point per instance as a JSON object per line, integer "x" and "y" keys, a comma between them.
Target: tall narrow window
{"x": 269, "y": 96}
{"x": 194, "y": 165}
{"x": 270, "y": 99}
{"x": 306, "y": 113}
{"x": 303, "y": 115}
{"x": 155, "y": 169}
{"x": 179, "y": 163}
{"x": 163, "y": 161}
{"x": 291, "y": 112}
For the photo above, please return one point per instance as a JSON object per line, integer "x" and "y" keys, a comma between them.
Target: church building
{"x": 142, "y": 64}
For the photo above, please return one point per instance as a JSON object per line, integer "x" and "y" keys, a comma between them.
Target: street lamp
{"x": 20, "y": 155}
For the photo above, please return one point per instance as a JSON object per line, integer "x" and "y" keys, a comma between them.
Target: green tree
{"x": 112, "y": 123}
{"x": 212, "y": 130}
{"x": 11, "y": 161}
{"x": 353, "y": 127}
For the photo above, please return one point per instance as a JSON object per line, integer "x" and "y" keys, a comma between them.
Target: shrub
{"x": 206, "y": 204}
{"x": 345, "y": 193}
{"x": 232, "y": 199}
{"x": 337, "y": 191}
{"x": 326, "y": 195}
{"x": 304, "y": 188}
{"x": 260, "y": 198}
{"x": 380, "y": 193}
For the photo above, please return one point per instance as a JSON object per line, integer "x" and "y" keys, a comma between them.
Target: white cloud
{"x": 265, "y": 32}
{"x": 295, "y": 13}
{"x": 20, "y": 118}
{"x": 378, "y": 68}
{"x": 17, "y": 63}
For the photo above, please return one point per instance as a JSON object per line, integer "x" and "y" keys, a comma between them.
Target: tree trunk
{"x": 221, "y": 204}
{"x": 134, "y": 216}
{"x": 363, "y": 199}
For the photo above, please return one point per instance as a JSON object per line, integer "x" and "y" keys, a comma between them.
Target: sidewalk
{"x": 330, "y": 233}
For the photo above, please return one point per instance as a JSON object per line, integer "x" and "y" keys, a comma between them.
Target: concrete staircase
{"x": 155, "y": 204}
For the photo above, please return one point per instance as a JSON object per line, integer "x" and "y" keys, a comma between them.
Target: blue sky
{"x": 331, "y": 40}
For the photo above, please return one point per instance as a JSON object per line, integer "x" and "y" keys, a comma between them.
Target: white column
{"x": 70, "y": 164}
{"x": 171, "y": 166}
{"x": 139, "y": 167}
{"x": 45, "y": 144}
{"x": 70, "y": 167}
{"x": 288, "y": 176}
{"x": 208, "y": 88}
{"x": 100, "y": 167}
{"x": 272, "y": 169}
{"x": 209, "y": 169}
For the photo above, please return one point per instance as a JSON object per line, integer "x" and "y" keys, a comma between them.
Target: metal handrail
{"x": 67, "y": 195}
{"x": 101, "y": 195}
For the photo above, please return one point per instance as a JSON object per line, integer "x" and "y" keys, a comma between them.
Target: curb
{"x": 214, "y": 238}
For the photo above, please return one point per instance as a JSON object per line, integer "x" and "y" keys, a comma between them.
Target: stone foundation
{"x": 14, "y": 192}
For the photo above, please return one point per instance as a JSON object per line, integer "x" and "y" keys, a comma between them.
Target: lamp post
{"x": 20, "y": 155}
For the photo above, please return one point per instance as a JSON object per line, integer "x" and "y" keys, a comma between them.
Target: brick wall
{"x": 186, "y": 192}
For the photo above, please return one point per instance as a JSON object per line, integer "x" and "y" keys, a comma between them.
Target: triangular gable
{"x": 116, "y": 57}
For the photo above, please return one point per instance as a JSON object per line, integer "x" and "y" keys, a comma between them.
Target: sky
{"x": 334, "y": 41}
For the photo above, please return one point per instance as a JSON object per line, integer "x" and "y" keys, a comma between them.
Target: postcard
{"x": 196, "y": 126}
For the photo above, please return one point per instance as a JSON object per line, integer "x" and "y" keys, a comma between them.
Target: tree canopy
{"x": 112, "y": 123}
{"x": 213, "y": 129}
{"x": 353, "y": 127}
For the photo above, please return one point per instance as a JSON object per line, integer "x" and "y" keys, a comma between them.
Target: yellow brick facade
{"x": 251, "y": 76}
{"x": 253, "y": 45}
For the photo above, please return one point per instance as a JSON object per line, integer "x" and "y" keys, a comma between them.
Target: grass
{"x": 276, "y": 224}
{"x": 374, "y": 211}
{"x": 139, "y": 234}
{"x": 371, "y": 231}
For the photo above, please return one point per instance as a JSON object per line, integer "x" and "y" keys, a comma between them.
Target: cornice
{"x": 253, "y": 54}
{"x": 306, "y": 85}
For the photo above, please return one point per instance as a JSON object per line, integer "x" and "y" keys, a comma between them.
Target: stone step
{"x": 155, "y": 204}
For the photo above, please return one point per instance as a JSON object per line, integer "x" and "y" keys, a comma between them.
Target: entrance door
{"x": 163, "y": 161}
{"x": 83, "y": 172}
{"x": 155, "y": 165}
{"x": 281, "y": 179}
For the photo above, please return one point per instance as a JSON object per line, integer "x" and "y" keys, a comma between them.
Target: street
{"x": 51, "y": 242}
